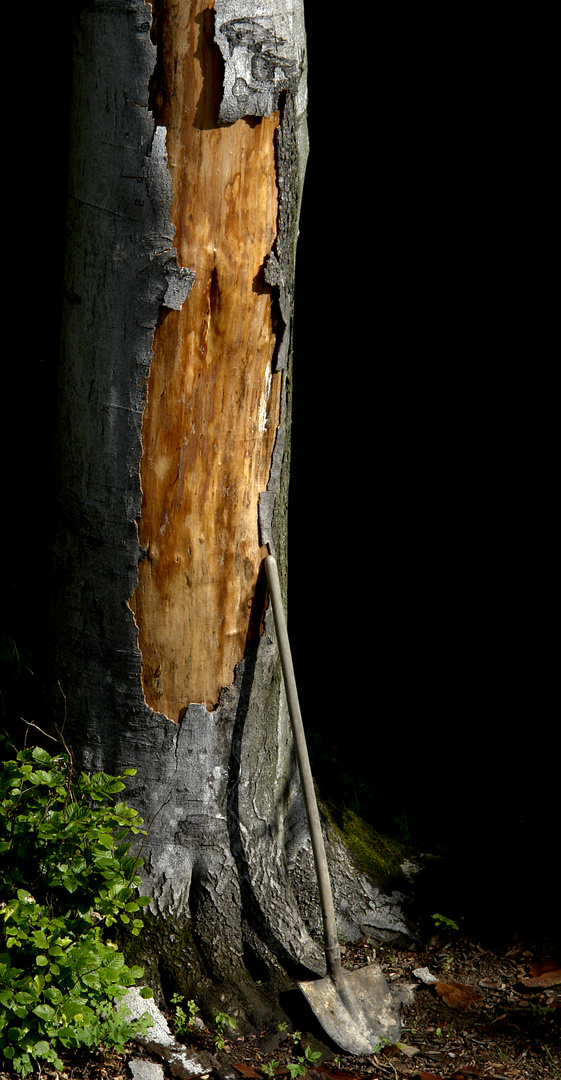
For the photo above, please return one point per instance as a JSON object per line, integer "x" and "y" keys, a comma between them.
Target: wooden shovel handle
{"x": 332, "y": 951}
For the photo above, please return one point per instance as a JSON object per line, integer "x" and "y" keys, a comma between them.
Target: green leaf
{"x": 105, "y": 839}
{"x": 43, "y": 776}
{"x": 41, "y": 755}
{"x": 44, "y": 1012}
{"x": 54, "y": 994}
{"x": 40, "y": 939}
{"x": 15, "y": 1034}
{"x": 41, "y": 1049}
{"x": 115, "y": 786}
{"x": 23, "y": 998}
{"x": 77, "y": 1009}
{"x": 25, "y": 896}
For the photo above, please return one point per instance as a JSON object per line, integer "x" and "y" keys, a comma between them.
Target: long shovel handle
{"x": 332, "y": 951}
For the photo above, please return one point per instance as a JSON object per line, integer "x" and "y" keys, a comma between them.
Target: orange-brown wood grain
{"x": 213, "y": 402}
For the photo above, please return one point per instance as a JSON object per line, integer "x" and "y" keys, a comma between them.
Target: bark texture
{"x": 174, "y": 395}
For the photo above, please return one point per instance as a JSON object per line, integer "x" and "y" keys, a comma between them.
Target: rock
{"x": 145, "y": 1070}
{"x": 425, "y": 976}
{"x": 226, "y": 1072}
{"x": 137, "y": 1006}
{"x": 183, "y": 1063}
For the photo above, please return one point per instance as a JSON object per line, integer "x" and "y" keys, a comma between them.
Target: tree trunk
{"x": 188, "y": 149}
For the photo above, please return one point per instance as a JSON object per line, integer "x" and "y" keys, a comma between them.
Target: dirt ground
{"x": 476, "y": 1012}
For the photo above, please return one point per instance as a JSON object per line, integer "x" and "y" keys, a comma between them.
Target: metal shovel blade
{"x": 354, "y": 1007}
{"x": 358, "y": 1013}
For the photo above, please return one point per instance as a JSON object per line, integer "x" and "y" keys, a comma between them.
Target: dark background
{"x": 422, "y": 586}
{"x": 422, "y": 577}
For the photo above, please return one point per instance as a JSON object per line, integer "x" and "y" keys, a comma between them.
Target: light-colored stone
{"x": 159, "y": 1032}
{"x": 183, "y": 1063}
{"x": 425, "y": 975}
{"x": 145, "y": 1070}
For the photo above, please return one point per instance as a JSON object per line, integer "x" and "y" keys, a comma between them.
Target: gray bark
{"x": 227, "y": 860}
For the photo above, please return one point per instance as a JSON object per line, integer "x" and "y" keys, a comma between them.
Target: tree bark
{"x": 188, "y": 149}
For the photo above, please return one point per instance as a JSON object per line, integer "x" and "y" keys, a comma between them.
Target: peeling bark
{"x": 174, "y": 412}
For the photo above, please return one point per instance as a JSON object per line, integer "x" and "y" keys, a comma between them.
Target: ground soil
{"x": 478, "y": 1019}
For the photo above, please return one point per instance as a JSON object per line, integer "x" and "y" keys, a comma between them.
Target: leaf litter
{"x": 477, "y": 1012}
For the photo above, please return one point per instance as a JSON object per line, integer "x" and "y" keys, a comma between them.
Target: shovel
{"x": 355, "y": 1008}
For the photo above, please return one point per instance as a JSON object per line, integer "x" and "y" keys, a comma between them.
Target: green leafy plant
{"x": 183, "y": 1021}
{"x": 66, "y": 876}
{"x": 441, "y": 921}
{"x": 269, "y": 1069}
{"x": 222, "y": 1022}
{"x": 294, "y": 1035}
{"x": 380, "y": 1046}
{"x": 300, "y": 1067}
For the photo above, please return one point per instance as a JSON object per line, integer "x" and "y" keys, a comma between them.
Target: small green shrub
{"x": 65, "y": 878}
{"x": 442, "y": 921}
{"x": 182, "y": 1021}
{"x": 222, "y": 1022}
{"x": 300, "y": 1067}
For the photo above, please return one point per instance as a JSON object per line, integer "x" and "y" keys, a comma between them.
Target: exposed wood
{"x": 213, "y": 399}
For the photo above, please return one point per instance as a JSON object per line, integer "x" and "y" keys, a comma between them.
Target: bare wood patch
{"x": 213, "y": 400}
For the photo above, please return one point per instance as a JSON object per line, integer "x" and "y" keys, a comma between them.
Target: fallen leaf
{"x": 247, "y": 1071}
{"x": 456, "y": 995}
{"x": 409, "y": 1051}
{"x": 467, "y": 1070}
{"x": 427, "y": 1076}
{"x": 539, "y": 967}
{"x": 549, "y": 978}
